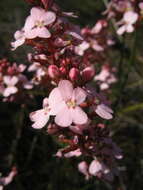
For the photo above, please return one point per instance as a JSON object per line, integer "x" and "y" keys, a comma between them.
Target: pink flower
{"x": 99, "y": 26}
{"x": 10, "y": 81}
{"x": 83, "y": 168}
{"x": 106, "y": 78}
{"x": 70, "y": 154}
{"x": 99, "y": 169}
{"x": 41, "y": 117}
{"x": 65, "y": 101}
{"x": 19, "y": 39}
{"x": 104, "y": 111}
{"x": 35, "y": 25}
{"x": 74, "y": 31}
{"x": 141, "y": 5}
{"x": 96, "y": 46}
{"x": 128, "y": 20}
{"x": 95, "y": 167}
{"x": 75, "y": 153}
{"x": 88, "y": 73}
{"x": 8, "y": 179}
{"x": 81, "y": 48}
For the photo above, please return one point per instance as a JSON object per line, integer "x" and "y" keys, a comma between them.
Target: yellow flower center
{"x": 46, "y": 110}
{"x": 71, "y": 103}
{"x": 39, "y": 24}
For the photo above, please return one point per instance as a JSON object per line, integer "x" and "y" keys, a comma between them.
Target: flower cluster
{"x": 64, "y": 62}
{"x": 129, "y": 12}
{"x": 12, "y": 80}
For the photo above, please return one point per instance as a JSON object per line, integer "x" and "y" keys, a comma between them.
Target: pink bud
{"x": 88, "y": 73}
{"x": 74, "y": 74}
{"x": 63, "y": 70}
{"x": 53, "y": 71}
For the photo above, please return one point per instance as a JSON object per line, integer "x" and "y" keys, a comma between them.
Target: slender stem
{"x": 32, "y": 147}
{"x": 15, "y": 142}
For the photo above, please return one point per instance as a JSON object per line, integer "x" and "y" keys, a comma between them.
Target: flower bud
{"x": 88, "y": 73}
{"x": 74, "y": 74}
{"x": 63, "y": 70}
{"x": 53, "y": 71}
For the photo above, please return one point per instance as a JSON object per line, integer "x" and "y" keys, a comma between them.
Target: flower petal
{"x": 29, "y": 23}
{"x": 130, "y": 28}
{"x": 121, "y": 30}
{"x": 78, "y": 116}
{"x": 17, "y": 43}
{"x": 9, "y": 90}
{"x": 31, "y": 34}
{"x": 37, "y": 13}
{"x": 95, "y": 167}
{"x": 40, "y": 118}
{"x": 130, "y": 17}
{"x": 56, "y": 102}
{"x": 49, "y": 17}
{"x": 66, "y": 89}
{"x": 79, "y": 95}
{"x": 63, "y": 118}
{"x": 10, "y": 81}
{"x": 104, "y": 111}
{"x": 43, "y": 32}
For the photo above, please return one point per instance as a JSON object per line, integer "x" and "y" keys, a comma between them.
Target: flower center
{"x": 97, "y": 101}
{"x": 39, "y": 23}
{"x": 46, "y": 110}
{"x": 71, "y": 103}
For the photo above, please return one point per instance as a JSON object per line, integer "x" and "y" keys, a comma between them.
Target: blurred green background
{"x": 33, "y": 151}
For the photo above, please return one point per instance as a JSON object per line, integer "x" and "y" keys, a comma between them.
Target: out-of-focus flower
{"x": 83, "y": 168}
{"x": 19, "y": 39}
{"x": 141, "y": 8}
{"x": 75, "y": 153}
{"x": 81, "y": 48}
{"x": 129, "y": 19}
{"x": 104, "y": 111}
{"x": 88, "y": 73}
{"x": 65, "y": 101}
{"x": 94, "y": 44}
{"x": 99, "y": 169}
{"x": 10, "y": 82}
{"x": 105, "y": 78}
{"x": 53, "y": 71}
{"x": 6, "y": 180}
{"x": 74, "y": 74}
{"x": 98, "y": 26}
{"x": 36, "y": 24}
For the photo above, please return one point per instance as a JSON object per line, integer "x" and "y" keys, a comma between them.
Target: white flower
{"x": 10, "y": 81}
{"x": 129, "y": 19}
